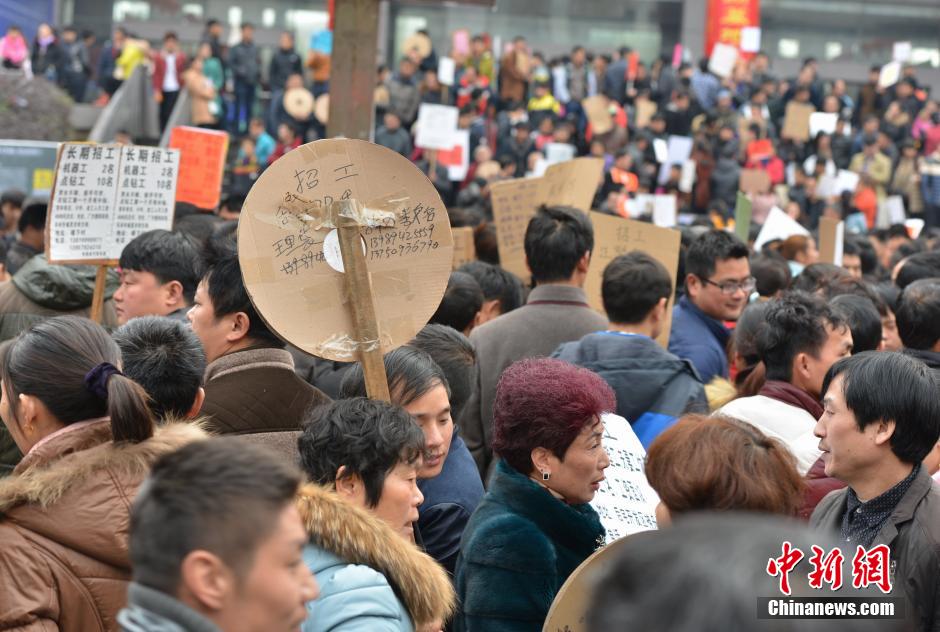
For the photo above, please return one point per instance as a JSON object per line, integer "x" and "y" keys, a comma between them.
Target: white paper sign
{"x": 826, "y": 187}
{"x": 446, "y": 69}
{"x": 664, "y": 210}
{"x": 894, "y": 209}
{"x": 840, "y": 243}
{"x": 846, "y": 181}
{"x": 679, "y": 149}
{"x": 661, "y": 149}
{"x": 890, "y": 74}
{"x": 641, "y": 205}
{"x": 687, "y": 179}
{"x": 778, "y": 225}
{"x": 901, "y": 52}
{"x": 723, "y": 59}
{"x": 822, "y": 122}
{"x": 436, "y": 126}
{"x": 559, "y": 152}
{"x": 106, "y": 195}
{"x": 750, "y": 39}
{"x": 625, "y": 502}
{"x": 914, "y": 227}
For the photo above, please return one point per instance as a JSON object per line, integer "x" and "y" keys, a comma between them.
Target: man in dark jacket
{"x": 107, "y": 62}
{"x": 558, "y": 245}
{"x": 718, "y": 282}
{"x": 393, "y": 135}
{"x": 245, "y": 62}
{"x": 251, "y": 386}
{"x": 284, "y": 63}
{"x": 653, "y": 387}
{"x": 881, "y": 419}
{"x": 918, "y": 317}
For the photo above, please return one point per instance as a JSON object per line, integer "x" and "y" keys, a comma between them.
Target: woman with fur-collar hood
{"x": 371, "y": 575}
{"x": 89, "y": 441}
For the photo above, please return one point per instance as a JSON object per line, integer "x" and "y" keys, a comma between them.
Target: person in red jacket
{"x": 168, "y": 65}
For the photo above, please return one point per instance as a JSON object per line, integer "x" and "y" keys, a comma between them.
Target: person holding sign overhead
{"x": 535, "y": 526}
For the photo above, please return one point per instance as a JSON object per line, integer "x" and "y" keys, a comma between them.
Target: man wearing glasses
{"x": 718, "y": 283}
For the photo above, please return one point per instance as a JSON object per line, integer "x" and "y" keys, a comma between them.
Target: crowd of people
{"x": 180, "y": 467}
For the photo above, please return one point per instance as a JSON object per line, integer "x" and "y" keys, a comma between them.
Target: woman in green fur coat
{"x": 534, "y": 526}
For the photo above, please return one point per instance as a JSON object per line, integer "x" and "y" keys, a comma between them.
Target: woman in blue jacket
{"x": 534, "y": 525}
{"x": 371, "y": 575}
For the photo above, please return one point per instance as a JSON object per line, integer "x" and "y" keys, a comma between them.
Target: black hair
{"x": 454, "y": 354}
{"x": 221, "y": 495}
{"x": 817, "y": 276}
{"x": 890, "y": 386}
{"x": 366, "y": 437}
{"x": 33, "y": 216}
{"x": 169, "y": 256}
{"x": 235, "y": 202}
{"x": 633, "y": 284}
{"x": 716, "y": 563}
{"x": 226, "y": 288}
{"x": 461, "y": 303}
{"x": 411, "y": 373}
{"x": 918, "y": 314}
{"x": 922, "y": 265}
{"x": 170, "y": 35}
{"x": 795, "y": 323}
{"x": 863, "y": 320}
{"x": 13, "y": 197}
{"x": 50, "y": 361}
{"x": 165, "y": 357}
{"x": 211, "y": 22}
{"x": 556, "y": 239}
{"x": 771, "y": 274}
{"x": 497, "y": 284}
{"x": 711, "y": 247}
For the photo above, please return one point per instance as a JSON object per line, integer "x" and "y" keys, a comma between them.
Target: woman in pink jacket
{"x": 13, "y": 49}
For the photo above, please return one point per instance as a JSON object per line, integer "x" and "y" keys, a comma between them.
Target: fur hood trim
{"x": 358, "y": 537}
{"x": 44, "y": 485}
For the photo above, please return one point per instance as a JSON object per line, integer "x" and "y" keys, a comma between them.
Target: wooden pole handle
{"x": 97, "y": 299}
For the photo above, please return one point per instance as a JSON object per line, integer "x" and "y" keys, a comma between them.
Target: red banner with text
{"x": 727, "y": 19}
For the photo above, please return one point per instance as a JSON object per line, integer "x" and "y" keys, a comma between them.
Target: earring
{"x": 546, "y": 476}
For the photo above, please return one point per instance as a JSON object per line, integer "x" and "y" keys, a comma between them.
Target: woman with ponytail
{"x": 88, "y": 441}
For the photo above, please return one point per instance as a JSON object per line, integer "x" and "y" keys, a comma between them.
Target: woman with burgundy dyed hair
{"x": 720, "y": 463}
{"x": 535, "y": 526}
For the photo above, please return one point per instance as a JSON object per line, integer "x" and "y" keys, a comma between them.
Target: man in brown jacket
{"x": 881, "y": 419}
{"x": 250, "y": 383}
{"x": 514, "y": 73}
{"x": 558, "y": 245}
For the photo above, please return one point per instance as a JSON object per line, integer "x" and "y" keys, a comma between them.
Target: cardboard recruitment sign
{"x": 796, "y": 121}
{"x": 290, "y": 255}
{"x": 615, "y": 236}
{"x": 570, "y": 183}
{"x": 202, "y": 165}
{"x": 464, "y": 247}
{"x": 27, "y": 165}
{"x": 104, "y": 196}
{"x": 831, "y": 240}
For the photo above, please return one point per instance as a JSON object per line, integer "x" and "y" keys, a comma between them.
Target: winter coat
{"x": 653, "y": 387}
{"x": 370, "y": 578}
{"x": 284, "y": 63}
{"x": 201, "y": 94}
{"x": 788, "y": 424}
{"x": 256, "y": 391}
{"x": 245, "y": 62}
{"x": 450, "y": 498}
{"x": 700, "y": 339}
{"x": 512, "y": 80}
{"x": 404, "y": 99}
{"x": 725, "y": 179}
{"x": 398, "y": 140}
{"x": 159, "y": 70}
{"x": 64, "y": 520}
{"x": 520, "y": 546}
{"x": 553, "y": 314}
{"x": 13, "y": 49}
{"x": 913, "y": 535}
{"x": 150, "y": 610}
{"x": 41, "y": 290}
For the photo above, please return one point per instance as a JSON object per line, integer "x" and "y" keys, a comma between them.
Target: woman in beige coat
{"x": 88, "y": 440}
{"x": 202, "y": 95}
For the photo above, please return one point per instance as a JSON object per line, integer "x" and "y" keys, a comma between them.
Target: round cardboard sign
{"x": 403, "y": 224}
{"x": 569, "y": 609}
{"x": 299, "y": 103}
{"x": 419, "y": 42}
{"x": 321, "y": 109}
